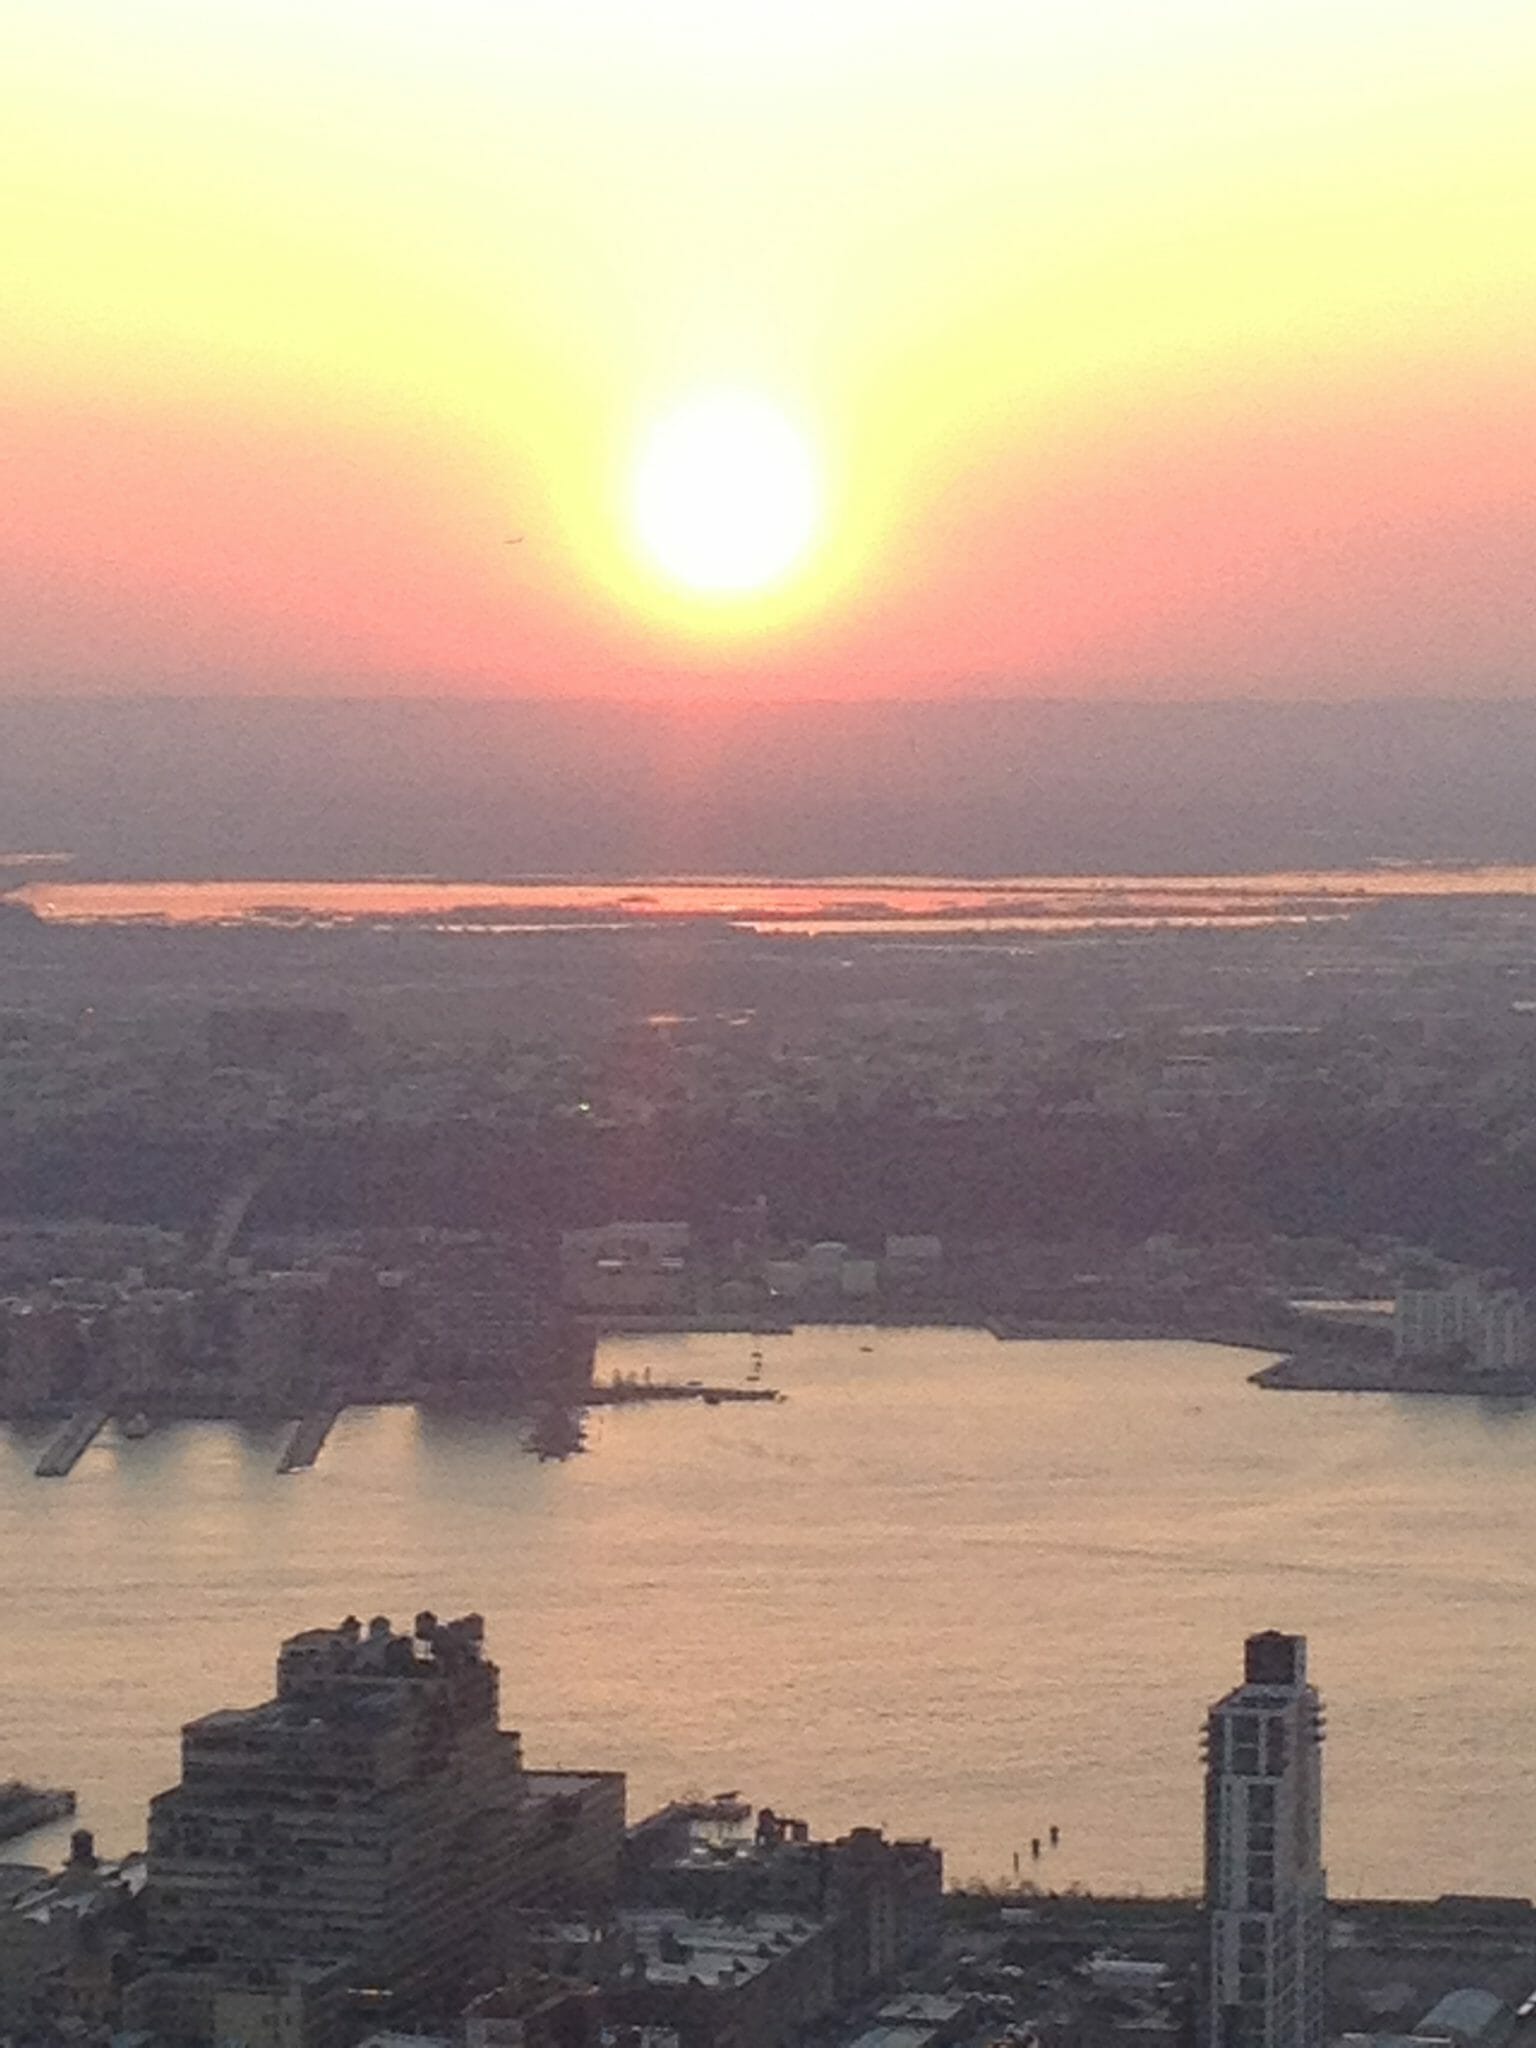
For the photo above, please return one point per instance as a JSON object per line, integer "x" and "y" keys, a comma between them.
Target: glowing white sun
{"x": 727, "y": 498}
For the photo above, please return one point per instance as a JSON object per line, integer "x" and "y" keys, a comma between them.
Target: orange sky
{"x": 1174, "y": 351}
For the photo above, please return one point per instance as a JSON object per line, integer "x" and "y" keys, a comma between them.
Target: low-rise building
{"x": 880, "y": 1899}
{"x": 756, "y": 1982}
{"x": 285, "y": 2004}
{"x": 61, "y": 1936}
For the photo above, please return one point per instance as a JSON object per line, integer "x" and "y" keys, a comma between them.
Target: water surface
{"x": 954, "y": 1586}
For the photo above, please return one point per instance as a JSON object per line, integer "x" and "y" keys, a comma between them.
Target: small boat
{"x": 137, "y": 1425}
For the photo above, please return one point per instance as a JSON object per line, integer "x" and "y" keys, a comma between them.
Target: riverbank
{"x": 1337, "y": 1373}
{"x": 1116, "y": 1915}
{"x": 1344, "y": 1361}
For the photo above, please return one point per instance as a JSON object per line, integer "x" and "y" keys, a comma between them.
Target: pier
{"x": 307, "y": 1440}
{"x": 71, "y": 1443}
{"x": 615, "y": 1393}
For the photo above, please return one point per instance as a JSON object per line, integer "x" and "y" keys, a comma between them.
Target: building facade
{"x": 1265, "y": 1888}
{"x": 1431, "y": 1322}
{"x": 1471, "y": 1320}
{"x": 373, "y": 1816}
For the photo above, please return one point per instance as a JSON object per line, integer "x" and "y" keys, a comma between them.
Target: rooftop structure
{"x": 1469, "y": 2015}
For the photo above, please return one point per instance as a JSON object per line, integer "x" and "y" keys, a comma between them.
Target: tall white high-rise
{"x": 1265, "y": 1887}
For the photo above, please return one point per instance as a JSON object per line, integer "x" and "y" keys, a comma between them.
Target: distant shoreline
{"x": 1331, "y": 1367}
{"x": 767, "y": 901}
{"x": 1327, "y": 1366}
{"x": 1316, "y": 1373}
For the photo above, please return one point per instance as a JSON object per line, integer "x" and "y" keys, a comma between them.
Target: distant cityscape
{"x": 397, "y": 1170}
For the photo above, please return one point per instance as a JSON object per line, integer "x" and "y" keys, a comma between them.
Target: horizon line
{"x": 1524, "y": 700}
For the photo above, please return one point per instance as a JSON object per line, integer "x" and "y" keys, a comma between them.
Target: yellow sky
{"x": 307, "y": 306}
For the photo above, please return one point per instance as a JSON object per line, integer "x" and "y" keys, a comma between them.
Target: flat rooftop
{"x": 360, "y": 1703}
{"x": 679, "y": 1949}
{"x": 551, "y": 1784}
{"x": 902, "y": 2034}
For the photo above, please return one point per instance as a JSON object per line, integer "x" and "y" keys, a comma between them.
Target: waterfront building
{"x": 1506, "y": 1331}
{"x": 372, "y": 1818}
{"x": 62, "y": 1939}
{"x": 484, "y": 1325}
{"x": 1468, "y": 1319}
{"x": 879, "y": 1900}
{"x": 146, "y": 1338}
{"x": 1431, "y": 1320}
{"x": 45, "y": 1359}
{"x": 1265, "y": 1888}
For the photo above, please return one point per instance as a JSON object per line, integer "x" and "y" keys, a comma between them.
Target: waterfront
{"x": 951, "y": 1585}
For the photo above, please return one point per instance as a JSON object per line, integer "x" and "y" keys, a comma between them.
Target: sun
{"x": 727, "y": 495}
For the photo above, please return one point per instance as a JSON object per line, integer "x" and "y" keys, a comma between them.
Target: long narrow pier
{"x": 619, "y": 1393}
{"x": 307, "y": 1440}
{"x": 71, "y": 1443}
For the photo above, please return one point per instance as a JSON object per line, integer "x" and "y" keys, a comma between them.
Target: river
{"x": 958, "y": 1587}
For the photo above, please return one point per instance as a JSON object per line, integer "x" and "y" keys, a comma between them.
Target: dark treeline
{"x": 1428, "y": 1180}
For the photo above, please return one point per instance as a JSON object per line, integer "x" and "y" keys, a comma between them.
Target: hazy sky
{"x": 1156, "y": 347}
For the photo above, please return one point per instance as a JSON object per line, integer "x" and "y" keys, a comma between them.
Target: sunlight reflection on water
{"x": 951, "y": 1585}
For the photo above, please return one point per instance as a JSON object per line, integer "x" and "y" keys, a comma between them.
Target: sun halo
{"x": 727, "y": 495}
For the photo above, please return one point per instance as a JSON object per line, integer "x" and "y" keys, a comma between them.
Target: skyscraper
{"x": 1265, "y": 1888}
